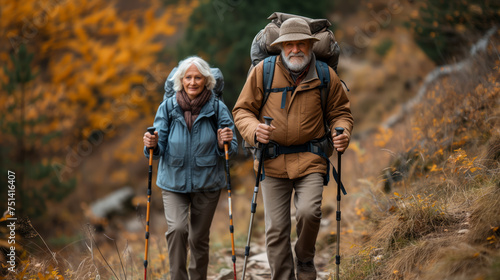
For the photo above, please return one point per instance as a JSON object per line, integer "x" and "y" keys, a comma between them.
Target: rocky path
{"x": 258, "y": 266}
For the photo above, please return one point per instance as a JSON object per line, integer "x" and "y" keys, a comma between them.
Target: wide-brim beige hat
{"x": 294, "y": 29}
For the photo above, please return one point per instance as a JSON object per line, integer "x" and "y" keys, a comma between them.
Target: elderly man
{"x": 298, "y": 119}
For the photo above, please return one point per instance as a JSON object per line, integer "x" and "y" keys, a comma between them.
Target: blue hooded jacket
{"x": 191, "y": 161}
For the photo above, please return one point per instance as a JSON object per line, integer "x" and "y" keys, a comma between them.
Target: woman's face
{"x": 193, "y": 82}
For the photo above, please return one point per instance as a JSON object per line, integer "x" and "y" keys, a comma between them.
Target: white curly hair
{"x": 202, "y": 66}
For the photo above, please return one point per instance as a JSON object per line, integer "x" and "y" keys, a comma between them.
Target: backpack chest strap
{"x": 284, "y": 91}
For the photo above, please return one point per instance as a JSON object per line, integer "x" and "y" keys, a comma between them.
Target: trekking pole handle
{"x": 268, "y": 120}
{"x": 224, "y": 126}
{"x": 339, "y": 130}
{"x": 152, "y": 130}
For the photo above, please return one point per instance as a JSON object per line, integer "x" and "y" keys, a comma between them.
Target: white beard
{"x": 295, "y": 65}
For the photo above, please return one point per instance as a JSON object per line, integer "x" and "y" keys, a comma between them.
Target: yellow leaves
{"x": 149, "y": 16}
{"x": 122, "y": 57}
{"x": 65, "y": 68}
{"x": 360, "y": 212}
{"x": 117, "y": 89}
{"x": 434, "y": 168}
{"x": 492, "y": 239}
{"x": 21, "y": 275}
{"x": 360, "y": 153}
{"x": 80, "y": 33}
{"x": 383, "y": 136}
{"x": 100, "y": 17}
{"x": 417, "y": 207}
{"x": 104, "y": 55}
{"x": 458, "y": 156}
{"x": 50, "y": 274}
{"x": 462, "y": 163}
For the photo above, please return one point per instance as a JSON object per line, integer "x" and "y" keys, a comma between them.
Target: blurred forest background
{"x": 80, "y": 82}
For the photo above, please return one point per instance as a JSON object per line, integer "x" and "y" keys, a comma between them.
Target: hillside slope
{"x": 434, "y": 211}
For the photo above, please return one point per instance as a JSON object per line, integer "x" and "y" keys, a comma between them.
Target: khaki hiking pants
{"x": 189, "y": 216}
{"x": 277, "y": 194}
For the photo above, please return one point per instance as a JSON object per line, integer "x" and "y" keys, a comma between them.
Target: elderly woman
{"x": 191, "y": 167}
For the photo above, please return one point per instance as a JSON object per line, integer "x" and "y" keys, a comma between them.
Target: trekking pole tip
{"x": 339, "y": 130}
{"x": 151, "y": 130}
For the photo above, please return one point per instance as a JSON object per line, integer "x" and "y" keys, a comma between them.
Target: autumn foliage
{"x": 96, "y": 65}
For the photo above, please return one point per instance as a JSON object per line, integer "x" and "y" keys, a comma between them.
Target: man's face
{"x": 296, "y": 54}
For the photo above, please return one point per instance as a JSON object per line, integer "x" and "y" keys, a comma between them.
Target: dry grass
{"x": 96, "y": 256}
{"x": 459, "y": 261}
{"x": 412, "y": 260}
{"x": 435, "y": 210}
{"x": 485, "y": 217}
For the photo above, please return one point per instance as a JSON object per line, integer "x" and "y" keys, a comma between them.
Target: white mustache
{"x": 301, "y": 54}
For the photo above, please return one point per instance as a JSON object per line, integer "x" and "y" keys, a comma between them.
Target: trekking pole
{"x": 231, "y": 227}
{"x": 254, "y": 200}
{"x": 339, "y": 131}
{"x": 151, "y": 131}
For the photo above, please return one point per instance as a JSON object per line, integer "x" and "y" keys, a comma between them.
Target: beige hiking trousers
{"x": 277, "y": 194}
{"x": 189, "y": 216}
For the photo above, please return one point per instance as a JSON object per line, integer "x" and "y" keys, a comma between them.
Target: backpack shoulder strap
{"x": 170, "y": 109}
{"x": 324, "y": 77}
{"x": 269, "y": 64}
{"x": 214, "y": 119}
{"x": 268, "y": 75}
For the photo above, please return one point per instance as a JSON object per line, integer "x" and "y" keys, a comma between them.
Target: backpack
{"x": 217, "y": 91}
